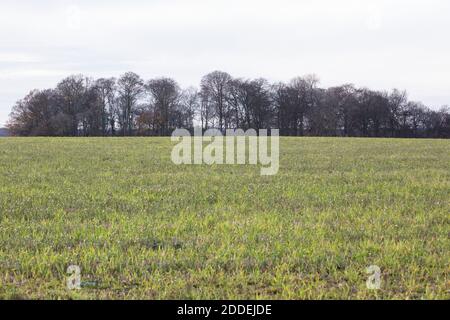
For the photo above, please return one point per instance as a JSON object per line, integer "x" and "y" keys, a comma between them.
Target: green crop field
{"x": 141, "y": 227}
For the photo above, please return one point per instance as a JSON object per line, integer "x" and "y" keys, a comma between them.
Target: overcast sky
{"x": 381, "y": 44}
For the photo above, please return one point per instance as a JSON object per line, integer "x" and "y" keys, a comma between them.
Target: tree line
{"x": 130, "y": 106}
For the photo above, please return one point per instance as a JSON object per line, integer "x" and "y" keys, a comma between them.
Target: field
{"x": 140, "y": 227}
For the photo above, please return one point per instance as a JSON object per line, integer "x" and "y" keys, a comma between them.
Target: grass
{"x": 142, "y": 228}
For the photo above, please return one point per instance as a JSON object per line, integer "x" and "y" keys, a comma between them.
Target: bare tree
{"x": 302, "y": 95}
{"x": 190, "y": 106}
{"x": 130, "y": 88}
{"x": 33, "y": 115}
{"x": 250, "y": 103}
{"x": 397, "y": 101}
{"x": 106, "y": 91}
{"x": 71, "y": 93}
{"x": 82, "y": 106}
{"x": 164, "y": 94}
{"x": 214, "y": 88}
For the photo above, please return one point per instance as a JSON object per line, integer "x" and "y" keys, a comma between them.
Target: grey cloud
{"x": 381, "y": 44}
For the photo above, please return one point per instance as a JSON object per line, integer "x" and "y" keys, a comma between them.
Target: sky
{"x": 380, "y": 44}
